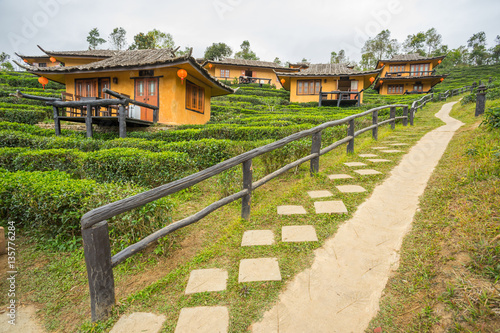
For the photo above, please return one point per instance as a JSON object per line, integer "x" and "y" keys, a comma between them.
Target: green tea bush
{"x": 68, "y": 160}
{"x": 8, "y": 155}
{"x": 141, "y": 167}
{"x": 22, "y": 116}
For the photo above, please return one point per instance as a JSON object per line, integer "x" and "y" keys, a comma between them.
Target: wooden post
{"x": 350, "y": 132}
{"x": 122, "y": 121}
{"x": 480, "y": 100}
{"x": 156, "y": 114}
{"x": 57, "y": 122}
{"x": 393, "y": 115}
{"x": 375, "y": 122}
{"x": 315, "y": 148}
{"x": 320, "y": 96}
{"x": 3, "y": 244}
{"x": 412, "y": 116}
{"x": 99, "y": 271}
{"x": 247, "y": 184}
{"x": 88, "y": 121}
{"x": 405, "y": 114}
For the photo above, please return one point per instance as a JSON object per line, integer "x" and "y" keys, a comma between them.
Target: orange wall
{"x": 237, "y": 71}
{"x": 78, "y": 61}
{"x": 172, "y": 93}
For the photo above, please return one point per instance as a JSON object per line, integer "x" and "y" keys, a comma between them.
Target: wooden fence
{"x": 94, "y": 224}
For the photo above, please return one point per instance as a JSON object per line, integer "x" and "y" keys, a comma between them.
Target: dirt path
{"x": 341, "y": 291}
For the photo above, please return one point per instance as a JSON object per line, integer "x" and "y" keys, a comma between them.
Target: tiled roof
{"x": 83, "y": 53}
{"x": 411, "y": 57}
{"x": 329, "y": 70}
{"x": 248, "y": 63}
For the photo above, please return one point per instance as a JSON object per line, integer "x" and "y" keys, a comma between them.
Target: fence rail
{"x": 94, "y": 225}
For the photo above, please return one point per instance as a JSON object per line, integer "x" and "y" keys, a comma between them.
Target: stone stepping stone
{"x": 367, "y": 155}
{"x": 398, "y": 144}
{"x": 391, "y": 151}
{"x": 380, "y": 147}
{"x": 330, "y": 207}
{"x": 339, "y": 176}
{"x": 350, "y": 188}
{"x": 139, "y": 322}
{"x": 203, "y": 319}
{"x": 354, "y": 164}
{"x": 299, "y": 233}
{"x": 364, "y": 172}
{"x": 257, "y": 237}
{"x": 378, "y": 160}
{"x": 201, "y": 280}
{"x": 291, "y": 210}
{"x": 261, "y": 269}
{"x": 320, "y": 194}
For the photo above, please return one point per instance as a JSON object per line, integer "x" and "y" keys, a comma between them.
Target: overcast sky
{"x": 288, "y": 29}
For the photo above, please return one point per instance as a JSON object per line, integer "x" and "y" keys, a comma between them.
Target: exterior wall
{"x": 327, "y": 84}
{"x": 237, "y": 71}
{"x": 172, "y": 93}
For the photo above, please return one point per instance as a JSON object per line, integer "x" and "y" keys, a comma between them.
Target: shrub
{"x": 22, "y": 116}
{"x": 68, "y": 160}
{"x": 7, "y": 156}
{"x": 492, "y": 118}
{"x": 131, "y": 164}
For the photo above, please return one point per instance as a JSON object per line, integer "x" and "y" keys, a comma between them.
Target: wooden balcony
{"x": 409, "y": 74}
{"x": 338, "y": 97}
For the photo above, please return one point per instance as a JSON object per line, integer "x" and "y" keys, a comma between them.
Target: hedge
{"x": 50, "y": 205}
{"x": 141, "y": 167}
{"x": 30, "y": 117}
{"x": 9, "y": 138}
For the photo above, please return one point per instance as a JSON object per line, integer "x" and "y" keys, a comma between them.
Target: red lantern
{"x": 282, "y": 81}
{"x": 372, "y": 79}
{"x": 381, "y": 81}
{"x": 439, "y": 61}
{"x": 210, "y": 66}
{"x": 43, "y": 81}
{"x": 381, "y": 64}
{"x": 25, "y": 60}
{"x": 442, "y": 79}
{"x": 182, "y": 74}
{"x": 52, "y": 59}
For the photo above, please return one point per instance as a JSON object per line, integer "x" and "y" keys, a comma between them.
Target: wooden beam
{"x": 247, "y": 185}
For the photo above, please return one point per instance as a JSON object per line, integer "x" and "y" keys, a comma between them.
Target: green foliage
{"x": 94, "y": 40}
{"x": 218, "y": 51}
{"x": 22, "y": 116}
{"x": 68, "y": 160}
{"x": 117, "y": 38}
{"x": 245, "y": 52}
{"x": 135, "y": 165}
{"x": 492, "y": 118}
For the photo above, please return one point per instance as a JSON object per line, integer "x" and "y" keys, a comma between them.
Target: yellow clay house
{"x": 148, "y": 76}
{"x": 408, "y": 74}
{"x": 246, "y": 71}
{"x": 328, "y": 84}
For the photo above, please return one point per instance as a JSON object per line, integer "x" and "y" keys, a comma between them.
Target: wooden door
{"x": 354, "y": 87}
{"x": 146, "y": 91}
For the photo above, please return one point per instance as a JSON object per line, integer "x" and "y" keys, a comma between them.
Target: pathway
{"x": 341, "y": 291}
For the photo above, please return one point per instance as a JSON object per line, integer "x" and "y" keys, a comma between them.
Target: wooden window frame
{"x": 302, "y": 84}
{"x": 396, "y": 88}
{"x": 426, "y": 68}
{"x": 225, "y": 73}
{"x": 198, "y": 99}
{"x": 98, "y": 87}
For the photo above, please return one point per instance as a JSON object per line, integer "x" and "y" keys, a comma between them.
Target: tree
{"x": 495, "y": 51}
{"x": 339, "y": 58}
{"x": 94, "y": 40}
{"x": 117, "y": 38}
{"x": 4, "y": 62}
{"x": 415, "y": 43}
{"x": 377, "y": 48}
{"x": 477, "y": 44}
{"x": 432, "y": 40}
{"x": 304, "y": 61}
{"x": 154, "y": 39}
{"x": 454, "y": 58}
{"x": 277, "y": 61}
{"x": 245, "y": 52}
{"x": 218, "y": 51}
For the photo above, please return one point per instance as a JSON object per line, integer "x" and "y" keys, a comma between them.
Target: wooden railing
{"x": 94, "y": 224}
{"x": 92, "y": 107}
{"x": 341, "y": 95}
{"x": 251, "y": 79}
{"x": 410, "y": 74}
